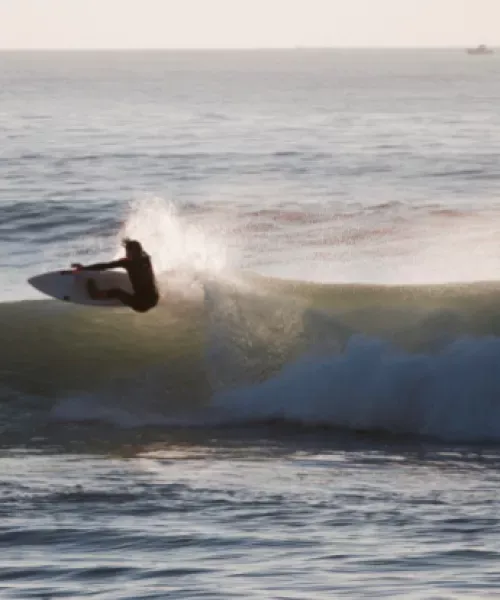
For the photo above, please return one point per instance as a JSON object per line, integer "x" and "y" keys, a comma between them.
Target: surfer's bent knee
{"x": 143, "y": 305}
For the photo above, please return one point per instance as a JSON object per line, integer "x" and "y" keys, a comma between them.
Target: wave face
{"x": 412, "y": 360}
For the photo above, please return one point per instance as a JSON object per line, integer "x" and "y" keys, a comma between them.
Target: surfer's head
{"x": 133, "y": 248}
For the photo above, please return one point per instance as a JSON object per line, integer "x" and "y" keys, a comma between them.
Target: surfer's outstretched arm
{"x": 101, "y": 266}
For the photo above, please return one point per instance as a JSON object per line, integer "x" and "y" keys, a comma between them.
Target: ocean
{"x": 313, "y": 410}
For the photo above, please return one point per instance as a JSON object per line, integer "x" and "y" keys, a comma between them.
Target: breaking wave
{"x": 413, "y": 360}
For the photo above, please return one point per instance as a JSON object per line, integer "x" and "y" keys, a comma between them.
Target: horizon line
{"x": 232, "y": 49}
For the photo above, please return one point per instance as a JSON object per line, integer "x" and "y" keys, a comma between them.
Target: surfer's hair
{"x": 132, "y": 245}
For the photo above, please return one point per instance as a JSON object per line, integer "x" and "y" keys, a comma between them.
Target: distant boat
{"x": 482, "y": 49}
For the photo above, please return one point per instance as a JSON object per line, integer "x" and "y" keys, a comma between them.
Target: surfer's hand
{"x": 77, "y": 266}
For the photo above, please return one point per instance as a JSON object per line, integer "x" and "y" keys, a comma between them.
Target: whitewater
{"x": 312, "y": 411}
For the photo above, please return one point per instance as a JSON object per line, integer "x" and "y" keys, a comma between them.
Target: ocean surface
{"x": 313, "y": 410}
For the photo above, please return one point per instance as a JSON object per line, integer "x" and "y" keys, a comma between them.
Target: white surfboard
{"x": 71, "y": 286}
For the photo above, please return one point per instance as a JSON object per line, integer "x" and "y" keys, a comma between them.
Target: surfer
{"x": 140, "y": 271}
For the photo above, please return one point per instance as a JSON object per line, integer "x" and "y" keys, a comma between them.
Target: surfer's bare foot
{"x": 92, "y": 290}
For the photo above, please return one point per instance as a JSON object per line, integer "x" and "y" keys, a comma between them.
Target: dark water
{"x": 313, "y": 411}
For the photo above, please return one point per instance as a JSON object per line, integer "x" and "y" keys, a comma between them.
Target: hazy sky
{"x": 246, "y": 23}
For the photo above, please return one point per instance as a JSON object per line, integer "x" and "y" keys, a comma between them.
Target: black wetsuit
{"x": 140, "y": 272}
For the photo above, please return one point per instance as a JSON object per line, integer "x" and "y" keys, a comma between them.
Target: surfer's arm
{"x": 103, "y": 266}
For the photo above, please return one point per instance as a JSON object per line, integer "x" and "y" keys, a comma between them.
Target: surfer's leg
{"x": 96, "y": 294}
{"x": 134, "y": 301}
{"x": 124, "y": 297}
